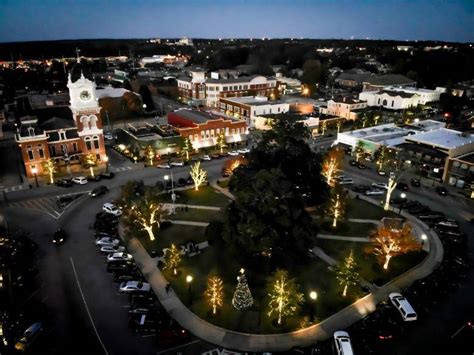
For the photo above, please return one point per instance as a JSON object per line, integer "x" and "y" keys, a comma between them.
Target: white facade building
{"x": 398, "y": 98}
{"x": 345, "y": 107}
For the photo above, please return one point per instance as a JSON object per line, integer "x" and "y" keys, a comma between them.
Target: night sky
{"x": 448, "y": 20}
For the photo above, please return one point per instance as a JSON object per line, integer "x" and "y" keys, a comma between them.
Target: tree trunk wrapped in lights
{"x": 150, "y": 154}
{"x": 242, "y": 299}
{"x": 89, "y": 161}
{"x": 221, "y": 143}
{"x": 186, "y": 148}
{"x": 285, "y": 300}
{"x": 388, "y": 242}
{"x": 198, "y": 174}
{"x": 337, "y": 205}
{"x": 50, "y": 168}
{"x": 347, "y": 274}
{"x": 332, "y": 165}
{"x": 215, "y": 293}
{"x": 172, "y": 258}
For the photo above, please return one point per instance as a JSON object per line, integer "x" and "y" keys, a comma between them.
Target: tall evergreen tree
{"x": 242, "y": 296}
{"x": 347, "y": 274}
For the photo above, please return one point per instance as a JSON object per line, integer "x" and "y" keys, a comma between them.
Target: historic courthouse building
{"x": 64, "y": 140}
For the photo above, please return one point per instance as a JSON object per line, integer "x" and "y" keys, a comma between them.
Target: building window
{"x": 203, "y": 134}
{"x": 52, "y": 149}
{"x": 233, "y": 131}
{"x": 212, "y": 133}
{"x": 93, "y": 121}
{"x": 227, "y": 131}
{"x": 31, "y": 131}
{"x": 96, "y": 142}
{"x": 41, "y": 151}
{"x": 30, "y": 153}
{"x": 392, "y": 102}
{"x": 64, "y": 149}
{"x": 196, "y": 137}
{"x": 88, "y": 142}
{"x": 74, "y": 146}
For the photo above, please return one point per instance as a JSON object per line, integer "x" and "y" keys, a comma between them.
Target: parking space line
{"x": 87, "y": 307}
{"x": 177, "y": 347}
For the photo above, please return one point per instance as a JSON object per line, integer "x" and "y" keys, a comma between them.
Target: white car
{"x": 206, "y": 157}
{"x": 119, "y": 257}
{"x": 342, "y": 341}
{"x": 177, "y": 163}
{"x": 374, "y": 192}
{"x": 380, "y": 185}
{"x": 244, "y": 151}
{"x": 80, "y": 180}
{"x": 110, "y": 249}
{"x": 233, "y": 153}
{"x": 134, "y": 286}
{"x": 163, "y": 166}
{"x": 107, "y": 241}
{"x": 402, "y": 305}
{"x": 112, "y": 209}
{"x": 346, "y": 181}
{"x": 108, "y": 136}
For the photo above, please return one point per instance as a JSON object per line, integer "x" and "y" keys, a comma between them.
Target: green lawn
{"x": 206, "y": 196}
{"x": 349, "y": 229}
{"x": 358, "y": 208}
{"x": 369, "y": 265}
{"x": 197, "y": 215}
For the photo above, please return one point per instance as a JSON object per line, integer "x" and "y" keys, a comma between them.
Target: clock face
{"x": 85, "y": 95}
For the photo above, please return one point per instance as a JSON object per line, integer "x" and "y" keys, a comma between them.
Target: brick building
{"x": 203, "y": 127}
{"x": 62, "y": 139}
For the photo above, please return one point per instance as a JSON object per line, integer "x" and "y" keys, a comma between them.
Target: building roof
{"x": 393, "y": 93}
{"x": 109, "y": 91}
{"x": 357, "y": 77}
{"x": 200, "y": 117}
{"x": 56, "y": 123}
{"x": 443, "y": 138}
{"x": 388, "y": 79}
{"x": 253, "y": 101}
{"x": 242, "y": 79}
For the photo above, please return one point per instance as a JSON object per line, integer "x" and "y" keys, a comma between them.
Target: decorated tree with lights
{"x": 389, "y": 241}
{"x": 232, "y": 164}
{"x": 323, "y": 127}
{"x": 242, "y": 296}
{"x": 186, "y": 147}
{"x": 384, "y": 157}
{"x": 337, "y": 205}
{"x": 172, "y": 258}
{"x": 145, "y": 213}
{"x": 50, "y": 168}
{"x": 332, "y": 164}
{"x": 89, "y": 161}
{"x": 359, "y": 151}
{"x": 221, "y": 143}
{"x": 346, "y": 274}
{"x": 215, "y": 293}
{"x": 198, "y": 174}
{"x": 150, "y": 154}
{"x": 285, "y": 300}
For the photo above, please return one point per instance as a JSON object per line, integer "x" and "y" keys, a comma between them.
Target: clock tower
{"x": 86, "y": 113}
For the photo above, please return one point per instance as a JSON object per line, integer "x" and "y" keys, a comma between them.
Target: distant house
{"x": 377, "y": 82}
{"x": 346, "y": 107}
{"x": 390, "y": 99}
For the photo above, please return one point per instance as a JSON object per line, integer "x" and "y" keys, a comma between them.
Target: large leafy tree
{"x": 333, "y": 164}
{"x": 281, "y": 178}
{"x": 384, "y": 157}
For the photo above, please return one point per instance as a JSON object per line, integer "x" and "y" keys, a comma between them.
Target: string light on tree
{"x": 198, "y": 174}
{"x": 215, "y": 293}
{"x": 242, "y": 298}
{"x": 285, "y": 299}
{"x": 347, "y": 274}
{"x": 172, "y": 258}
{"x": 50, "y": 168}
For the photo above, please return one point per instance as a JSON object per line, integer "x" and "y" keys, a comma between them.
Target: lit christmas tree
{"x": 242, "y": 296}
{"x": 347, "y": 274}
{"x": 215, "y": 293}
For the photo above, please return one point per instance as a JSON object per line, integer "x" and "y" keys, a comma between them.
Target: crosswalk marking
{"x": 13, "y": 188}
{"x": 123, "y": 168}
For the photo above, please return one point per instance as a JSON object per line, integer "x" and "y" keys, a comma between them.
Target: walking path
{"x": 320, "y": 253}
{"x": 223, "y": 190}
{"x": 345, "y": 238}
{"x": 200, "y": 207}
{"x": 285, "y": 341}
{"x": 190, "y": 223}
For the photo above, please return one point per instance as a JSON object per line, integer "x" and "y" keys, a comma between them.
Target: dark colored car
{"x": 94, "y": 178}
{"x": 59, "y": 237}
{"x": 361, "y": 166}
{"x": 99, "y": 190}
{"x": 181, "y": 182}
{"x": 215, "y": 156}
{"x": 441, "y": 191}
{"x": 64, "y": 182}
{"x": 120, "y": 266}
{"x": 415, "y": 182}
{"x": 402, "y": 186}
{"x": 354, "y": 162}
{"x": 107, "y": 175}
{"x": 29, "y": 336}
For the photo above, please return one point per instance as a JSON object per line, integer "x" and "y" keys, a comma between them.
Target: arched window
{"x": 384, "y": 103}
{"x": 96, "y": 142}
{"x": 88, "y": 142}
{"x": 85, "y": 123}
{"x": 93, "y": 121}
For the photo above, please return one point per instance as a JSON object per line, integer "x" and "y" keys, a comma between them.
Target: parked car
{"x": 108, "y": 136}
{"x": 374, "y": 192}
{"x": 449, "y": 223}
{"x": 98, "y": 191}
{"x": 402, "y": 186}
{"x": 216, "y": 156}
{"x": 111, "y": 249}
{"x": 181, "y": 182}
{"x": 346, "y": 181}
{"x": 415, "y": 182}
{"x": 205, "y": 157}
{"x": 94, "y": 178}
{"x": 107, "y": 175}
{"x": 64, "y": 182}
{"x": 143, "y": 323}
{"x": 121, "y": 266}
{"x": 119, "y": 257}
{"x": 360, "y": 188}
{"x": 29, "y": 336}
{"x": 244, "y": 150}
{"x": 441, "y": 191}
{"x": 80, "y": 180}
{"x": 381, "y": 172}
{"x": 112, "y": 209}
{"x": 233, "y": 153}
{"x": 362, "y": 166}
{"x": 59, "y": 237}
{"x": 177, "y": 163}
{"x": 380, "y": 185}
{"x": 354, "y": 162}
{"x": 134, "y": 286}
{"x": 163, "y": 166}
{"x": 106, "y": 241}
{"x": 401, "y": 304}
{"x": 342, "y": 342}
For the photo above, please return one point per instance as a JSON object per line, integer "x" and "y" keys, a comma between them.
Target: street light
{"x": 106, "y": 159}
{"x": 313, "y": 296}
{"x": 424, "y": 237}
{"x": 173, "y": 195}
{"x": 189, "y": 279}
{"x": 35, "y": 173}
{"x": 403, "y": 196}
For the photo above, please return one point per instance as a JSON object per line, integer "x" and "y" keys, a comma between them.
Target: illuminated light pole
{"x": 173, "y": 195}
{"x": 313, "y": 296}
{"x": 35, "y": 173}
{"x": 403, "y": 196}
{"x": 106, "y": 159}
{"x": 189, "y": 279}
{"x": 424, "y": 238}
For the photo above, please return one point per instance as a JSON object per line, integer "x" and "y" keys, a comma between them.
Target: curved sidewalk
{"x": 285, "y": 341}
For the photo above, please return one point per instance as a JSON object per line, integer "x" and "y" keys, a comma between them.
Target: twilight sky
{"x": 449, "y": 20}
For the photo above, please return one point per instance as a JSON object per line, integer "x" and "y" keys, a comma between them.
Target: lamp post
{"x": 173, "y": 195}
{"x": 313, "y": 296}
{"x": 106, "y": 159}
{"x": 424, "y": 238}
{"x": 35, "y": 173}
{"x": 189, "y": 279}
{"x": 403, "y": 196}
